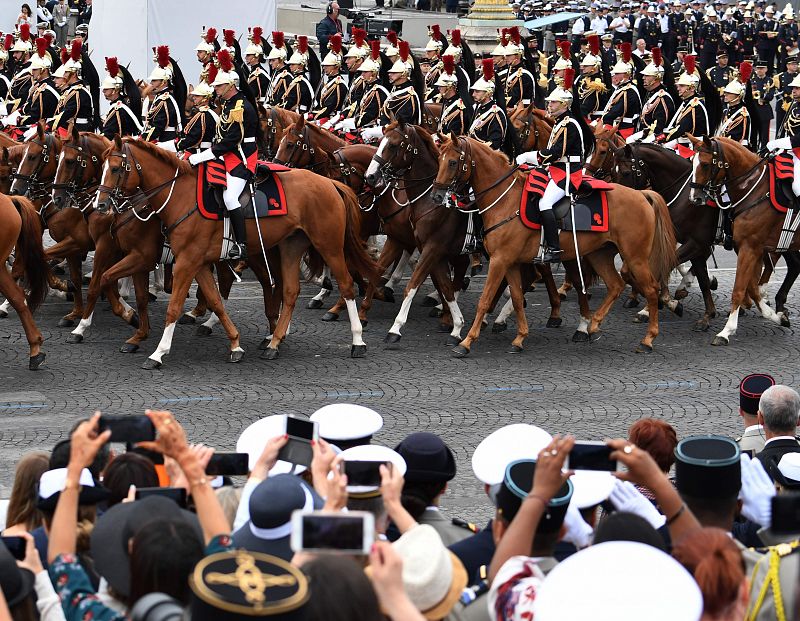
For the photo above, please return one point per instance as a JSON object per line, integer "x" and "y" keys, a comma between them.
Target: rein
{"x": 297, "y": 148}
{"x": 599, "y": 172}
{"x": 36, "y": 187}
{"x": 348, "y": 171}
{"x": 76, "y": 188}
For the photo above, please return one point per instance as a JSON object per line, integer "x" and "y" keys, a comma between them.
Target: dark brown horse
{"x": 20, "y": 228}
{"x": 639, "y": 230}
{"x": 533, "y": 127}
{"x": 722, "y": 162}
{"x": 169, "y": 185}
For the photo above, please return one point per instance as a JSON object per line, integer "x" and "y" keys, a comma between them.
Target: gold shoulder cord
{"x": 771, "y": 579}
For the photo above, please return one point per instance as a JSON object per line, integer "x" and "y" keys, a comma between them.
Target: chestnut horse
{"x": 533, "y": 127}
{"x": 274, "y": 121}
{"x": 723, "y": 164}
{"x": 20, "y": 228}
{"x": 170, "y": 184}
{"x": 639, "y": 230}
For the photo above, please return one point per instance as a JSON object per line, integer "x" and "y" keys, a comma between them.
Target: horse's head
{"x": 78, "y": 166}
{"x": 455, "y": 169}
{"x": 116, "y": 179}
{"x": 395, "y": 154}
{"x": 623, "y": 170}
{"x": 606, "y": 142}
{"x": 294, "y": 149}
{"x": 274, "y": 122}
{"x": 38, "y": 163}
{"x": 709, "y": 169}
{"x": 532, "y": 127}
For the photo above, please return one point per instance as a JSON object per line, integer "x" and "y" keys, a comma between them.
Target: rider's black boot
{"x": 552, "y": 251}
{"x": 238, "y": 252}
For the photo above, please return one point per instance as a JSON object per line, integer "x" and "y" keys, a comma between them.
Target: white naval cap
{"x": 372, "y": 452}
{"x": 347, "y": 424}
{"x": 505, "y": 445}
{"x": 619, "y": 580}
{"x": 255, "y": 438}
{"x": 591, "y": 488}
{"x": 789, "y": 466}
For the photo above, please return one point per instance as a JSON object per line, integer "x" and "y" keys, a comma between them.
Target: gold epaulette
{"x": 596, "y": 85}
{"x": 776, "y": 80}
{"x": 237, "y": 114}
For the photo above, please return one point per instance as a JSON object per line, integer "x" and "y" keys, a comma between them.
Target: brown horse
{"x": 533, "y": 126}
{"x": 20, "y": 228}
{"x": 639, "y": 229}
{"x": 169, "y": 185}
{"x": 431, "y": 115}
{"x": 274, "y": 121}
{"x": 724, "y": 164}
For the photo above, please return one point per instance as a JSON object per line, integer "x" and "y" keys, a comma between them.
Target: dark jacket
{"x": 772, "y": 453}
{"x": 325, "y": 28}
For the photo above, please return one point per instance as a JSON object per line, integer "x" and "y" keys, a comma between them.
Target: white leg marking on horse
{"x": 731, "y": 324}
{"x": 102, "y": 176}
{"x": 83, "y": 325}
{"x": 458, "y": 318}
{"x": 402, "y": 316}
{"x": 767, "y": 311}
{"x": 125, "y": 285}
{"x": 5, "y": 306}
{"x": 211, "y": 321}
{"x": 126, "y": 308}
{"x": 397, "y": 274}
{"x": 505, "y": 312}
{"x": 373, "y": 165}
{"x": 355, "y": 322}
{"x": 165, "y": 343}
{"x": 583, "y": 325}
{"x": 762, "y": 290}
{"x": 57, "y": 294}
{"x": 688, "y": 276}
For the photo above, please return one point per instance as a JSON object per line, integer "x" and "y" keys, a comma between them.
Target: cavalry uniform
{"x": 657, "y": 112}
{"x": 299, "y": 95}
{"x": 42, "y": 102}
{"x": 783, "y": 95}
{"x": 563, "y": 155}
{"x": 331, "y": 98}
{"x": 162, "y": 123}
{"x": 624, "y": 107}
{"x": 403, "y": 103}
{"x": 519, "y": 87}
{"x": 593, "y": 94}
{"x": 369, "y": 110}
{"x": 489, "y": 125}
{"x": 258, "y": 81}
{"x": 235, "y": 138}
{"x": 691, "y": 118}
{"x": 75, "y": 106}
{"x": 120, "y": 120}
{"x": 355, "y": 94}
{"x": 19, "y": 88}
{"x": 736, "y": 124}
{"x": 710, "y": 37}
{"x": 431, "y": 93}
{"x": 453, "y": 117}
{"x": 199, "y": 132}
{"x": 278, "y": 86}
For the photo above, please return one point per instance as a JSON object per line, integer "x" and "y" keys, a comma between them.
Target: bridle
{"x": 78, "y": 187}
{"x": 37, "y": 188}
{"x": 296, "y": 148}
{"x": 359, "y": 185}
{"x": 396, "y": 177}
{"x": 600, "y": 172}
{"x": 271, "y": 121}
{"x": 529, "y": 125}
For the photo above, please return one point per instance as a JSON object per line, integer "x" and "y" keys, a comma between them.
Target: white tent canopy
{"x": 130, "y": 29}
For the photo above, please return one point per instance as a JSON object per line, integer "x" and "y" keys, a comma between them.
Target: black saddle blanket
{"x": 269, "y": 199}
{"x": 591, "y": 210}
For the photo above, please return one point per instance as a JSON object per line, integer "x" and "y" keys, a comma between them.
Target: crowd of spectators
{"x": 678, "y": 528}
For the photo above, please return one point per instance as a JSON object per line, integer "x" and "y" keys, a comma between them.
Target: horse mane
{"x": 326, "y": 134}
{"x": 746, "y": 154}
{"x": 657, "y": 148}
{"x": 497, "y": 155}
{"x": 427, "y": 140}
{"x": 15, "y": 154}
{"x": 165, "y": 156}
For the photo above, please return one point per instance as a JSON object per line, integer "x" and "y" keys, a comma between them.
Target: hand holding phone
{"x": 595, "y": 456}
{"x": 129, "y": 429}
{"x": 227, "y": 464}
{"x": 176, "y": 494}
{"x": 297, "y": 449}
{"x": 340, "y": 533}
{"x": 15, "y": 545}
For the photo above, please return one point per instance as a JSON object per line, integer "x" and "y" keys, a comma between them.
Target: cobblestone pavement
{"x": 592, "y": 390}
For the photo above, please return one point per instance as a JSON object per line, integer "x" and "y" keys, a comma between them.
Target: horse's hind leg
{"x": 205, "y": 280}
{"x": 792, "y": 259}
{"x": 16, "y": 297}
{"x": 700, "y": 269}
{"x": 518, "y": 299}
{"x": 427, "y": 259}
{"x": 291, "y": 249}
{"x": 497, "y": 270}
{"x": 602, "y": 261}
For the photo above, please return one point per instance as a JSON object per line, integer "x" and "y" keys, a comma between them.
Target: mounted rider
{"x": 75, "y": 105}
{"x": 691, "y": 116}
{"x": 375, "y": 94}
{"x": 43, "y": 97}
{"x": 21, "y": 81}
{"x": 353, "y": 59}
{"x": 736, "y": 122}
{"x": 333, "y": 93}
{"x": 163, "y": 121}
{"x": 206, "y": 49}
{"x": 403, "y": 102}
{"x": 201, "y": 129}
{"x": 789, "y": 133}
{"x": 257, "y": 78}
{"x": 520, "y": 83}
{"x": 121, "y": 91}
{"x": 281, "y": 77}
{"x": 299, "y": 95}
{"x": 592, "y": 90}
{"x": 235, "y": 143}
{"x": 433, "y": 52}
{"x": 456, "y": 117}
{"x": 659, "y": 107}
{"x": 625, "y": 105}
{"x": 490, "y": 122}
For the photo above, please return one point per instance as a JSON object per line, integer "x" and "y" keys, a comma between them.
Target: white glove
{"x": 781, "y": 143}
{"x": 203, "y": 156}
{"x": 634, "y": 137}
{"x": 11, "y": 119}
{"x": 529, "y": 157}
{"x": 650, "y": 138}
{"x": 625, "y": 497}
{"x": 371, "y": 133}
{"x": 671, "y": 144}
{"x": 756, "y": 493}
{"x": 29, "y": 133}
{"x": 347, "y": 125}
{"x": 578, "y": 532}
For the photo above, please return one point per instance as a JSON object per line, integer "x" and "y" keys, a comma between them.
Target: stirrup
{"x": 238, "y": 252}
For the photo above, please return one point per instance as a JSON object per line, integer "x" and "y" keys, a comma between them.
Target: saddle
{"x": 590, "y": 205}
{"x": 264, "y": 196}
{"x": 781, "y": 177}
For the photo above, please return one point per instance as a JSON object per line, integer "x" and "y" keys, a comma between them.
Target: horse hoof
{"x": 58, "y": 270}
{"x": 580, "y": 337}
{"x": 630, "y": 303}
{"x": 388, "y": 295}
{"x": 644, "y": 349}
{"x": 202, "y": 331}
{"x": 554, "y": 322}
{"x": 269, "y": 354}
{"x": 74, "y": 339}
{"x": 186, "y": 319}
{"x": 329, "y": 316}
{"x": 678, "y": 310}
{"x": 460, "y": 351}
{"x": 428, "y": 301}
{"x": 327, "y": 284}
{"x": 434, "y": 312}
{"x": 476, "y": 269}
{"x": 443, "y": 327}
{"x": 151, "y": 365}
{"x": 129, "y": 348}
{"x": 515, "y": 349}
{"x": 358, "y": 351}
{"x": 719, "y": 340}
{"x": 713, "y": 284}
{"x": 66, "y": 323}
{"x": 391, "y": 338}
{"x": 134, "y": 320}
{"x": 265, "y": 343}
{"x": 36, "y": 361}
{"x": 681, "y": 293}
{"x": 314, "y": 304}
{"x": 497, "y": 328}
{"x": 452, "y": 340}
{"x": 784, "y": 320}
{"x": 3, "y": 314}
{"x": 465, "y": 283}
{"x": 364, "y": 322}
{"x": 562, "y": 295}
{"x": 236, "y": 356}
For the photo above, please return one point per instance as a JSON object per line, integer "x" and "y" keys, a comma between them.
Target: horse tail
{"x": 663, "y": 257}
{"x": 354, "y": 252}
{"x": 31, "y": 253}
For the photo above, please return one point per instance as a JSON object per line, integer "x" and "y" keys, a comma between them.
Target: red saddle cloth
{"x": 591, "y": 205}
{"x": 269, "y": 199}
{"x": 781, "y": 176}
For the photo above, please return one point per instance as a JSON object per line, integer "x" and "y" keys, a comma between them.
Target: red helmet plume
{"x": 162, "y": 56}
{"x": 359, "y": 37}
{"x": 64, "y": 55}
{"x": 569, "y": 78}
{"x": 76, "y": 48}
{"x": 594, "y": 44}
{"x": 565, "y": 46}
{"x": 278, "y": 40}
{"x": 230, "y": 37}
{"x": 210, "y": 36}
{"x": 211, "y": 73}
{"x": 25, "y": 31}
{"x": 50, "y": 38}
{"x": 225, "y": 60}
{"x": 405, "y": 51}
{"x": 41, "y": 46}
{"x": 503, "y": 36}
{"x": 335, "y": 43}
{"x": 455, "y": 38}
{"x": 745, "y": 71}
{"x": 391, "y": 37}
{"x": 302, "y": 44}
{"x": 625, "y": 49}
{"x": 112, "y": 66}
{"x": 375, "y": 49}
{"x": 513, "y": 33}
{"x": 689, "y": 63}
{"x": 449, "y": 64}
{"x": 656, "y": 51}
{"x": 258, "y": 31}
{"x": 488, "y": 69}
{"x": 9, "y": 42}
{"x": 436, "y": 31}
